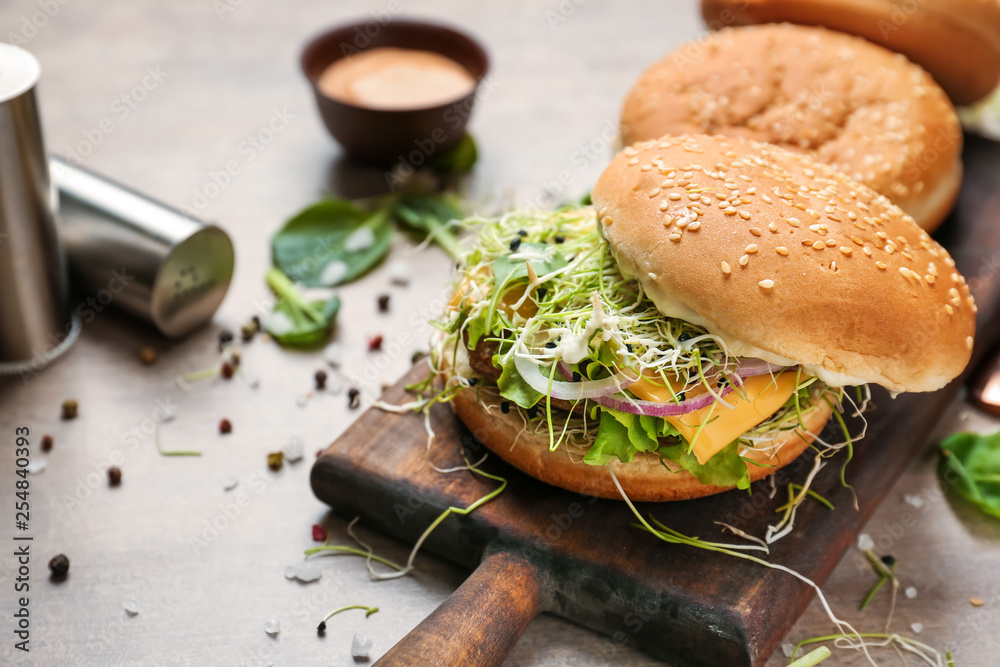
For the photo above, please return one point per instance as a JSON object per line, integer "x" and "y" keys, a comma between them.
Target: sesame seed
{"x": 730, "y": 211}
{"x": 889, "y": 248}
{"x": 750, "y": 249}
{"x": 668, "y": 220}
{"x": 725, "y": 268}
{"x": 794, "y": 222}
{"x": 694, "y": 226}
{"x": 603, "y": 212}
{"x": 930, "y": 279}
{"x": 781, "y": 250}
{"x": 752, "y": 190}
{"x": 932, "y": 269}
{"x": 753, "y": 230}
{"x": 773, "y": 228}
{"x": 968, "y": 342}
{"x": 634, "y": 161}
{"x": 845, "y": 250}
{"x": 830, "y": 243}
{"x": 607, "y": 220}
{"x": 880, "y": 264}
{"x": 651, "y": 275}
{"x": 818, "y": 245}
{"x": 812, "y": 213}
{"x": 693, "y": 196}
{"x": 766, "y": 284}
{"x": 746, "y": 216}
{"x": 833, "y": 266}
{"x": 744, "y": 260}
{"x": 675, "y": 237}
{"x": 676, "y": 196}
{"x": 766, "y": 198}
{"x": 654, "y": 192}
{"x": 646, "y": 167}
{"x": 867, "y": 251}
{"x": 948, "y": 309}
{"x": 664, "y": 205}
{"x": 882, "y": 235}
{"x": 905, "y": 271}
{"x": 669, "y": 183}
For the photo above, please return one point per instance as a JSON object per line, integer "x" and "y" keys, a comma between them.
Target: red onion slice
{"x": 652, "y": 409}
{"x": 568, "y": 391}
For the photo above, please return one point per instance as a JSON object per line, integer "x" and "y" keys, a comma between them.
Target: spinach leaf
{"x": 458, "y": 160}
{"x": 332, "y": 242}
{"x": 430, "y": 214}
{"x": 295, "y": 321}
{"x": 970, "y": 463}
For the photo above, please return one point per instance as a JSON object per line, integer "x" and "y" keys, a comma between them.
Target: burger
{"x": 695, "y": 328}
{"x": 864, "y": 110}
{"x": 957, "y": 41}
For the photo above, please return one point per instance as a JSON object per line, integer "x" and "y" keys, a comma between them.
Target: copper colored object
{"x": 984, "y": 389}
{"x": 385, "y": 136}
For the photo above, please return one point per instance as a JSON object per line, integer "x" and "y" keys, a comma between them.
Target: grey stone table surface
{"x": 161, "y": 96}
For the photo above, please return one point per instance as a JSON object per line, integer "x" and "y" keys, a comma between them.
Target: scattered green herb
{"x": 885, "y": 573}
{"x": 456, "y": 161}
{"x": 332, "y": 242}
{"x": 812, "y": 658}
{"x": 970, "y": 463}
{"x": 173, "y": 452}
{"x": 295, "y": 321}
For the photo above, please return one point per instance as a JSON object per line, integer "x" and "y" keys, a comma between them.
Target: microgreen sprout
{"x": 321, "y": 628}
{"x": 170, "y": 452}
{"x": 812, "y": 658}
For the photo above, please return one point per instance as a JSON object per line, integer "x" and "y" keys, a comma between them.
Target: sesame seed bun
{"x": 957, "y": 41}
{"x": 788, "y": 260}
{"x": 644, "y": 479}
{"x": 864, "y": 110}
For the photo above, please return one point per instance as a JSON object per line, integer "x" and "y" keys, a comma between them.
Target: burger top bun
{"x": 787, "y": 260}
{"x": 957, "y": 41}
{"x": 848, "y": 103}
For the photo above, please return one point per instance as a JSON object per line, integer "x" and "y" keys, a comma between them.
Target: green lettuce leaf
{"x": 970, "y": 464}
{"x": 513, "y": 387}
{"x": 726, "y": 468}
{"x": 620, "y": 435}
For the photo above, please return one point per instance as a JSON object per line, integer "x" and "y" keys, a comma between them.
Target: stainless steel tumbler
{"x": 152, "y": 260}
{"x": 35, "y": 322}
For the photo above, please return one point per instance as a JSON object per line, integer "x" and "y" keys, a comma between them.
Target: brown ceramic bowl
{"x": 386, "y": 136}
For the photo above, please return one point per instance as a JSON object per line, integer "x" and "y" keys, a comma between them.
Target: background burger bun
{"x": 644, "y": 479}
{"x": 843, "y": 101}
{"x": 788, "y": 260}
{"x": 957, "y": 41}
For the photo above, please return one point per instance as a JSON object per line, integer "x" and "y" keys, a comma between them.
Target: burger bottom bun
{"x": 644, "y": 479}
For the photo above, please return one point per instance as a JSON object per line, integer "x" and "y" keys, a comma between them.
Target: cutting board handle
{"x": 480, "y": 623}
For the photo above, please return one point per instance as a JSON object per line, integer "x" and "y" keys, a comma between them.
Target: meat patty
{"x": 481, "y": 361}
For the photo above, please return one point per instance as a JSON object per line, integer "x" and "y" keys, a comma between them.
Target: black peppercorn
{"x": 889, "y": 560}
{"x": 576, "y": 377}
{"x": 226, "y": 370}
{"x": 224, "y": 338}
{"x": 114, "y": 476}
{"x": 684, "y": 336}
{"x": 225, "y": 426}
{"x": 46, "y": 443}
{"x": 551, "y": 345}
{"x": 353, "y": 398}
{"x": 540, "y": 293}
{"x": 532, "y": 412}
{"x": 383, "y": 303}
{"x": 559, "y": 238}
{"x": 59, "y": 565}
{"x": 320, "y": 380}
{"x": 473, "y": 381}
{"x": 680, "y": 397}
{"x": 321, "y": 628}
{"x": 515, "y": 244}
{"x": 505, "y": 407}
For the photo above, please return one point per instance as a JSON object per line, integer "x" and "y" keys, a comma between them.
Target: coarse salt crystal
{"x": 230, "y": 483}
{"x": 788, "y": 650}
{"x": 865, "y": 542}
{"x": 399, "y": 271}
{"x": 917, "y": 627}
{"x": 333, "y": 354}
{"x": 911, "y": 592}
{"x": 301, "y": 400}
{"x": 294, "y": 449}
{"x": 361, "y": 647}
{"x": 131, "y": 608}
{"x": 272, "y": 627}
{"x": 914, "y": 500}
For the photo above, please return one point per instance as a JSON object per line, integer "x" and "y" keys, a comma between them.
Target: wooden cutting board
{"x": 539, "y": 548}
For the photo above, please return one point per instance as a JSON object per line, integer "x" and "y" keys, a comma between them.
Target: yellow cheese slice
{"x": 764, "y": 396}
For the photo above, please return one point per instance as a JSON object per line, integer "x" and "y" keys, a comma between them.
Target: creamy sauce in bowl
{"x": 394, "y": 79}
